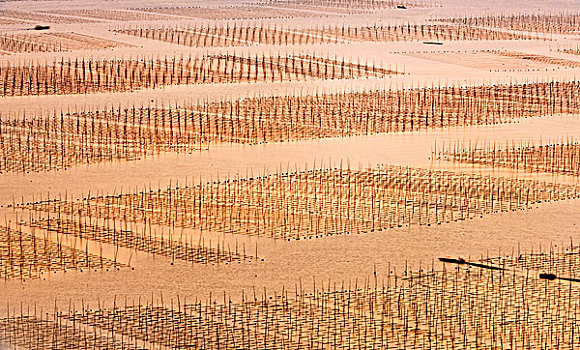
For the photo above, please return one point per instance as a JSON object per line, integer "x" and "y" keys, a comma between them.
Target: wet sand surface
{"x": 309, "y": 262}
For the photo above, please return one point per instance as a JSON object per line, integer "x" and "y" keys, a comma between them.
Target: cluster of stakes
{"x": 35, "y": 144}
{"x": 16, "y": 16}
{"x": 108, "y": 14}
{"x": 128, "y": 235}
{"x": 51, "y": 42}
{"x": 58, "y": 143}
{"x": 561, "y": 157}
{"x": 45, "y": 332}
{"x": 230, "y": 12}
{"x": 27, "y": 255}
{"x": 519, "y": 301}
{"x": 39, "y": 246}
{"x": 19, "y": 43}
{"x": 538, "y": 23}
{"x": 220, "y": 35}
{"x": 571, "y": 51}
{"x": 316, "y": 203}
{"x": 113, "y": 75}
{"x": 348, "y": 4}
{"x": 546, "y": 60}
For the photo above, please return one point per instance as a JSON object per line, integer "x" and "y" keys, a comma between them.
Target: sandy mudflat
{"x": 116, "y": 68}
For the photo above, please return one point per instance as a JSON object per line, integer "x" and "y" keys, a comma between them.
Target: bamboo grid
{"x": 248, "y": 35}
{"x": 58, "y": 142}
{"x": 44, "y": 331}
{"x": 317, "y": 203}
{"x": 175, "y": 246}
{"x": 27, "y": 16}
{"x": 560, "y": 157}
{"x": 540, "y": 58}
{"x": 459, "y": 307}
{"x": 230, "y": 12}
{"x": 25, "y": 43}
{"x": 556, "y": 23}
{"x": 562, "y": 264}
{"x": 10, "y": 21}
{"x": 267, "y": 119}
{"x": 570, "y": 50}
{"x": 348, "y": 4}
{"x": 83, "y": 76}
{"x": 113, "y": 15}
{"x": 26, "y": 255}
{"x": 52, "y": 42}
{"x": 420, "y": 32}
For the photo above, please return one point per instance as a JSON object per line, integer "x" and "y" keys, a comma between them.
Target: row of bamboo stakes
{"x": 295, "y": 205}
{"x": 60, "y": 141}
{"x": 557, "y": 157}
{"x": 83, "y": 76}
{"x": 248, "y": 35}
{"x": 487, "y": 304}
{"x": 551, "y": 23}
